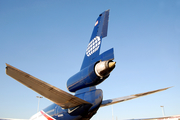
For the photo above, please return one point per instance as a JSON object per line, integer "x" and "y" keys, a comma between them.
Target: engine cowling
{"x": 91, "y": 75}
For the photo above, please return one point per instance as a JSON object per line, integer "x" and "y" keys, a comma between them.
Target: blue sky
{"x": 48, "y": 39}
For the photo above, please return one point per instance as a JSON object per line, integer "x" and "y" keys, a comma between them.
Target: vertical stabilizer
{"x": 99, "y": 32}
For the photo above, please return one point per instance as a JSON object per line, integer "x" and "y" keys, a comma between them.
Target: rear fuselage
{"x": 85, "y": 111}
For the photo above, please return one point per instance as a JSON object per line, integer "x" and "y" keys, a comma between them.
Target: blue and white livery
{"x": 87, "y": 99}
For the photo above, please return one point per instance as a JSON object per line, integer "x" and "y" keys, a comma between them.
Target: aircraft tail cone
{"x": 112, "y": 65}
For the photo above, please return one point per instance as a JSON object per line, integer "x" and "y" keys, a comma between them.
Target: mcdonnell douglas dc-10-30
{"x": 87, "y": 99}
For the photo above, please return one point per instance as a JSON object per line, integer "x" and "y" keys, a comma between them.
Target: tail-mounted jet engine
{"x": 91, "y": 75}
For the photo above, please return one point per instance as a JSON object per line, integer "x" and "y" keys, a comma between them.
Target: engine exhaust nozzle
{"x": 104, "y": 68}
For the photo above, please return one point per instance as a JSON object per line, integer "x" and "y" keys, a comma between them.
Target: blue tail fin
{"x": 99, "y": 32}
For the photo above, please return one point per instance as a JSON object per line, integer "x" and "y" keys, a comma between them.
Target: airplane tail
{"x": 99, "y": 32}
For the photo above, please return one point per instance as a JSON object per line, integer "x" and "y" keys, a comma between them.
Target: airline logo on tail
{"x": 93, "y": 46}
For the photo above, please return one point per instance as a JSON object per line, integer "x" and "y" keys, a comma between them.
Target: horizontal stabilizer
{"x": 56, "y": 95}
{"x": 122, "y": 99}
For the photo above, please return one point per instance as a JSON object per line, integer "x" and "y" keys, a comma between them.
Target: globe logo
{"x": 93, "y": 46}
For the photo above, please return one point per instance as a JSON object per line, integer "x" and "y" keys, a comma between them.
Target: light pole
{"x": 163, "y": 110}
{"x": 38, "y": 102}
{"x": 112, "y": 113}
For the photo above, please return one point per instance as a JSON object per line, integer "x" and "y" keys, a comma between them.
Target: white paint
{"x": 93, "y": 46}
